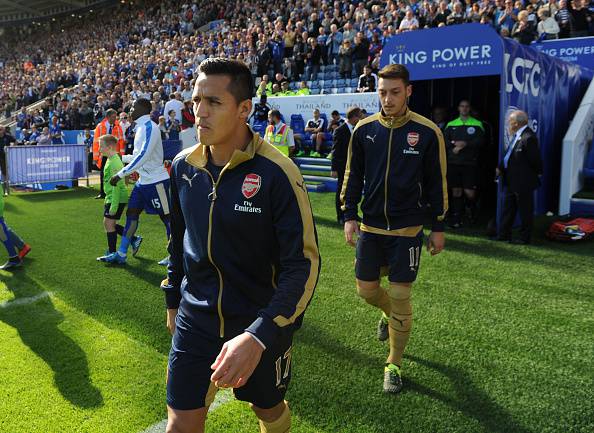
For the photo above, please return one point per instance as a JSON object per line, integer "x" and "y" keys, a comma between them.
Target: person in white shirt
{"x": 175, "y": 104}
{"x": 409, "y": 22}
{"x": 151, "y": 191}
{"x": 547, "y": 25}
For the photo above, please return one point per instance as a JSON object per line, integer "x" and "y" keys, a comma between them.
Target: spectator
{"x": 522, "y": 31}
{"x": 443, "y": 14}
{"x": 581, "y": 18}
{"x": 174, "y": 104}
{"x": 563, "y": 19}
{"x": 367, "y": 81}
{"x": 360, "y": 52}
{"x": 409, "y": 22}
{"x": 124, "y": 122}
{"x": 508, "y": 17}
{"x": 289, "y": 70}
{"x": 547, "y": 25}
{"x": 457, "y": 16}
{"x": 163, "y": 128}
{"x": 56, "y": 134}
{"x": 333, "y": 42}
{"x": 345, "y": 60}
{"x": 314, "y": 58}
{"x": 303, "y": 89}
{"x": 45, "y": 139}
{"x": 188, "y": 119}
{"x": 172, "y": 126}
{"x": 186, "y": 93}
{"x": 299, "y": 52}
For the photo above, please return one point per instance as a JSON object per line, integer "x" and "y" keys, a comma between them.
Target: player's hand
{"x": 114, "y": 180}
{"x": 171, "y": 315}
{"x": 350, "y": 228}
{"x": 236, "y": 362}
{"x": 436, "y": 243}
{"x": 334, "y": 174}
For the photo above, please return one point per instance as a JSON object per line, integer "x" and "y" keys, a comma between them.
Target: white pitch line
{"x": 25, "y": 301}
{"x": 223, "y": 397}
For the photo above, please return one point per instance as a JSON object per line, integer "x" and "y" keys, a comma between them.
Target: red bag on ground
{"x": 570, "y": 231}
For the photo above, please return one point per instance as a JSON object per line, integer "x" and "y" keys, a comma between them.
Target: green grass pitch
{"x": 502, "y": 339}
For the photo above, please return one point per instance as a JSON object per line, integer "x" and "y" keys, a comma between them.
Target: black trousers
{"x": 339, "y": 212}
{"x": 514, "y": 202}
{"x": 103, "y": 161}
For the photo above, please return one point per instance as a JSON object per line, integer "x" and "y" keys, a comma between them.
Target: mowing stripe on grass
{"x": 224, "y": 396}
{"x": 25, "y": 301}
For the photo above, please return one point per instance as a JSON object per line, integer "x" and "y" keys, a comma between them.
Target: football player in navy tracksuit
{"x": 244, "y": 260}
{"x": 398, "y": 158}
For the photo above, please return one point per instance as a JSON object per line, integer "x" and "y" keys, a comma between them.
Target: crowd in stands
{"x": 107, "y": 58}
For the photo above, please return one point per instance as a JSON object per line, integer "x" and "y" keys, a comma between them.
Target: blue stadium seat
{"x": 309, "y": 83}
{"x": 314, "y": 85}
{"x": 323, "y": 116}
{"x": 315, "y": 91}
{"x": 297, "y": 123}
{"x": 348, "y": 90}
{"x": 327, "y": 84}
{"x": 321, "y": 76}
{"x": 341, "y": 82}
{"x": 260, "y": 127}
{"x": 293, "y": 85}
{"x": 354, "y": 82}
{"x": 334, "y": 90}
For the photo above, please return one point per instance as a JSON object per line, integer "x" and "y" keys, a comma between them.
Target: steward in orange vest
{"x": 103, "y": 128}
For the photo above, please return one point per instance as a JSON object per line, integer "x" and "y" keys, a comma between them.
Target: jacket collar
{"x": 394, "y": 122}
{"x": 199, "y": 156}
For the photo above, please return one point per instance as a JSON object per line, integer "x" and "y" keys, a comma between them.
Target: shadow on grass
{"x": 38, "y": 323}
{"x": 67, "y": 194}
{"x": 362, "y": 391}
{"x": 516, "y": 253}
{"x": 328, "y": 223}
{"x": 470, "y": 400}
{"x": 137, "y": 266}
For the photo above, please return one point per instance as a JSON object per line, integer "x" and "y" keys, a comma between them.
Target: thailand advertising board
{"x": 305, "y": 105}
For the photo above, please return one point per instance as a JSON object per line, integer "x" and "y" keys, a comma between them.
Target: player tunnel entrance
{"x": 429, "y": 97}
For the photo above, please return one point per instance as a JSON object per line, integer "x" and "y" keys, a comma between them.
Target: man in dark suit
{"x": 520, "y": 170}
{"x": 340, "y": 147}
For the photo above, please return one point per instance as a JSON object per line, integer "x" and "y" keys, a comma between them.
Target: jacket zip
{"x": 386, "y": 181}
{"x": 212, "y": 197}
{"x": 420, "y": 194}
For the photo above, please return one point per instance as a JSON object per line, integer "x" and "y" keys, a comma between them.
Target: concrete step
{"x": 312, "y": 161}
{"x": 329, "y": 183}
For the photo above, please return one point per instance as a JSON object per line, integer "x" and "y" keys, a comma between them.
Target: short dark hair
{"x": 395, "y": 72}
{"x": 110, "y": 112}
{"x": 241, "y": 85}
{"x": 353, "y": 112}
{"x": 275, "y": 113}
{"x": 145, "y": 104}
{"x": 335, "y": 112}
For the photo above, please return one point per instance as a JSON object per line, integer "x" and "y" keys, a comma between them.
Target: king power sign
{"x": 465, "y": 51}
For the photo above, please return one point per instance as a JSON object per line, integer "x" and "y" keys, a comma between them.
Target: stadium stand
{"x": 70, "y": 62}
